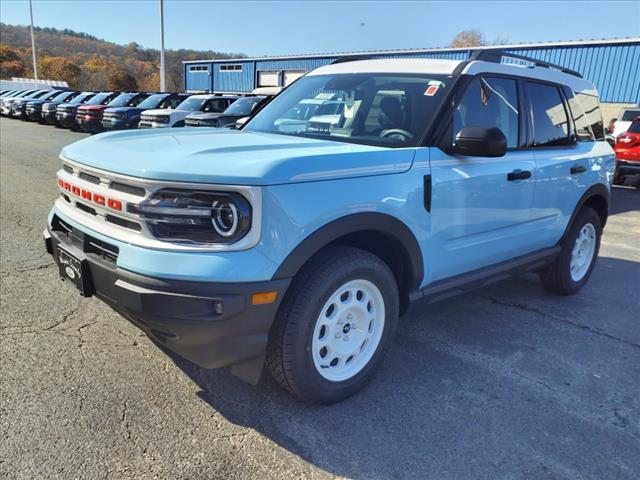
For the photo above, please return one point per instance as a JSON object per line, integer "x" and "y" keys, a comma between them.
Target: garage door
{"x": 268, "y": 79}
{"x": 291, "y": 76}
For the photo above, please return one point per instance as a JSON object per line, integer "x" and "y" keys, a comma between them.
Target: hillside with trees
{"x": 89, "y": 63}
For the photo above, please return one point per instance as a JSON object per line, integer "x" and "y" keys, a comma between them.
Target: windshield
{"x": 122, "y": 100}
{"x": 153, "y": 101}
{"x": 37, "y": 94}
{"x": 629, "y": 115}
{"x": 191, "y": 104}
{"x": 51, "y": 95}
{"x": 81, "y": 98}
{"x": 61, "y": 97}
{"x": 243, "y": 106}
{"x": 99, "y": 98}
{"x": 371, "y": 108}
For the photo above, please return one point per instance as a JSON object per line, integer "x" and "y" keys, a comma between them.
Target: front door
{"x": 481, "y": 207}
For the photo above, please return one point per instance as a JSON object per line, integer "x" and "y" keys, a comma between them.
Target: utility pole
{"x": 162, "y": 83}
{"x": 33, "y": 44}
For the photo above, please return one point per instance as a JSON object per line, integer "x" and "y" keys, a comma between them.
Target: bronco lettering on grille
{"x": 101, "y": 200}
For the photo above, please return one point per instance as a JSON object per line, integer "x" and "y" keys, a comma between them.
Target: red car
{"x": 628, "y": 154}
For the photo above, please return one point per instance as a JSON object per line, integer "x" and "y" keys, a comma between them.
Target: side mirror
{"x": 480, "y": 142}
{"x": 241, "y": 121}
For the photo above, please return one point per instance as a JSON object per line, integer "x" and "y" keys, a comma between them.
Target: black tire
{"x": 289, "y": 355}
{"x": 557, "y": 277}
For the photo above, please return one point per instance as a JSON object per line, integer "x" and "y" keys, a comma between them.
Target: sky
{"x": 297, "y": 27}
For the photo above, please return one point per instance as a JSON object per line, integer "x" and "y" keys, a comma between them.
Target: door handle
{"x": 519, "y": 175}
{"x": 578, "y": 169}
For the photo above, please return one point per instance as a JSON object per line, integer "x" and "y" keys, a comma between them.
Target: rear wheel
{"x": 573, "y": 267}
{"x": 333, "y": 325}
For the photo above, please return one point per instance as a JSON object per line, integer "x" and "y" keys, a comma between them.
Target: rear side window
{"x": 591, "y": 108}
{"x": 489, "y": 102}
{"x": 550, "y": 122}
{"x": 582, "y": 127}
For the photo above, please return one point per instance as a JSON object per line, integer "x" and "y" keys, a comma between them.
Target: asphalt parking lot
{"x": 508, "y": 382}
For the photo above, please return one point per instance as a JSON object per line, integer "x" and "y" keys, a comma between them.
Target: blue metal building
{"x": 612, "y": 65}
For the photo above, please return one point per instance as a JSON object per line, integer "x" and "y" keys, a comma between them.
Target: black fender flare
{"x": 354, "y": 223}
{"x": 597, "y": 190}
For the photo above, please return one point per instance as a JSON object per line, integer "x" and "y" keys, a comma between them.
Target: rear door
{"x": 562, "y": 151}
{"x": 480, "y": 211}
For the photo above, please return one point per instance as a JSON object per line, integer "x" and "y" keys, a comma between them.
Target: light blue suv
{"x": 300, "y": 243}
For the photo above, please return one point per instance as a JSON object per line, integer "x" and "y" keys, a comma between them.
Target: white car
{"x": 164, "y": 118}
{"x": 622, "y": 124}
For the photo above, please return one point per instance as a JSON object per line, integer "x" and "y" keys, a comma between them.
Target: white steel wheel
{"x": 348, "y": 330}
{"x": 583, "y": 252}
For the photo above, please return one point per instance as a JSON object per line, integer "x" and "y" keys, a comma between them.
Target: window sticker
{"x": 431, "y": 90}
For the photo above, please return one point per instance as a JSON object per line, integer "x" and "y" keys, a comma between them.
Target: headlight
{"x": 195, "y": 216}
{"x": 161, "y": 119}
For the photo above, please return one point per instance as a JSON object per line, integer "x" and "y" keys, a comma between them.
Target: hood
{"x": 122, "y": 109}
{"x": 93, "y": 107}
{"x": 204, "y": 116}
{"x": 160, "y": 111}
{"x": 233, "y": 156}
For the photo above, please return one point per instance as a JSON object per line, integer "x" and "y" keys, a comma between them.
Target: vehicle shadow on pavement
{"x": 624, "y": 199}
{"x": 506, "y": 381}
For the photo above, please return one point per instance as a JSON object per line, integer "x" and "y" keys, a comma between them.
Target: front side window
{"x": 216, "y": 105}
{"x": 490, "y": 103}
{"x": 550, "y": 122}
{"x": 371, "y": 108}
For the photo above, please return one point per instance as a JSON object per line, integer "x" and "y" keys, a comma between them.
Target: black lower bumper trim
{"x": 211, "y": 324}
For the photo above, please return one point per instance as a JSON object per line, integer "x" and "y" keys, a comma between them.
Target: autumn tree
{"x": 468, "y": 38}
{"x": 11, "y": 65}
{"x": 60, "y": 68}
{"x": 120, "y": 81}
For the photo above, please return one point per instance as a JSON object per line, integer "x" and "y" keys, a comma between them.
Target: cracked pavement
{"x": 506, "y": 382}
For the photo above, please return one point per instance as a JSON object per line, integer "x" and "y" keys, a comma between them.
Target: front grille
{"x": 105, "y": 188}
{"x": 85, "y": 242}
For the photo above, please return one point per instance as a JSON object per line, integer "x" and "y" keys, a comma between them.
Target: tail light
{"x": 628, "y": 140}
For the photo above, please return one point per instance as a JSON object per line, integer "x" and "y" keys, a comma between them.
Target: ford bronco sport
{"x": 300, "y": 248}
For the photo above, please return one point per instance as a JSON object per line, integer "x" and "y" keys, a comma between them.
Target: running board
{"x": 486, "y": 276}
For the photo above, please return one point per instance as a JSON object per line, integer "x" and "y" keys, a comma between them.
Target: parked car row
{"x": 94, "y": 112}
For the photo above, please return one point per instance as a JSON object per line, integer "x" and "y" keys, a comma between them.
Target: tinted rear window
{"x": 550, "y": 122}
{"x": 629, "y": 115}
{"x": 635, "y": 127}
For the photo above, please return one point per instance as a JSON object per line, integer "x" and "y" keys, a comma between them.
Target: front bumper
{"x": 211, "y": 324}
{"x": 18, "y": 112}
{"x": 148, "y": 124}
{"x": 624, "y": 167}
{"x": 114, "y": 124}
{"x": 66, "y": 119}
{"x": 92, "y": 125}
{"x": 48, "y": 116}
{"x": 34, "y": 115}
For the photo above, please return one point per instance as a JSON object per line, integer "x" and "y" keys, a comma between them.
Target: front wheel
{"x": 333, "y": 325}
{"x": 573, "y": 267}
